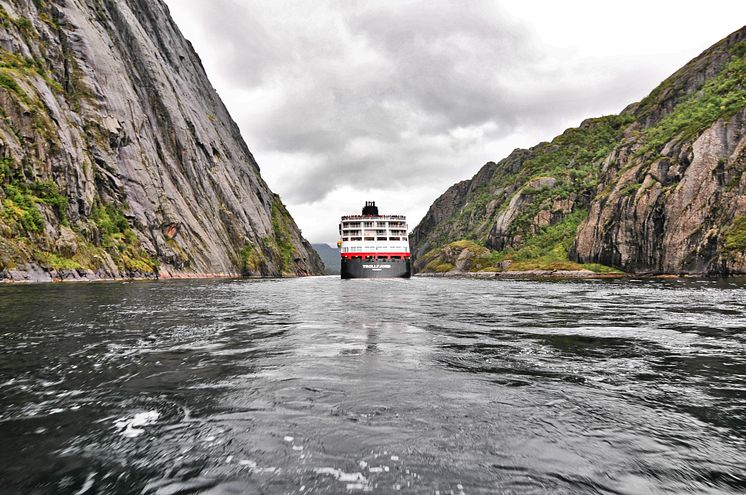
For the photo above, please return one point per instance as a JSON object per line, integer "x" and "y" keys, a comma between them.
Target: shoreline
{"x": 566, "y": 275}
{"x": 546, "y": 274}
{"x": 41, "y": 276}
{"x": 23, "y": 277}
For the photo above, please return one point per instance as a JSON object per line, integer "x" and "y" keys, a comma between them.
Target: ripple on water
{"x": 424, "y": 386}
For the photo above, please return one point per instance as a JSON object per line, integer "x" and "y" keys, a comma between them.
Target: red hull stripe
{"x": 350, "y": 255}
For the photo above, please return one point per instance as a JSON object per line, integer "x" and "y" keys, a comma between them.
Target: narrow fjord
{"x": 578, "y": 325}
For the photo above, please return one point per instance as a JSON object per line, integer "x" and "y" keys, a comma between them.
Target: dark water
{"x": 422, "y": 386}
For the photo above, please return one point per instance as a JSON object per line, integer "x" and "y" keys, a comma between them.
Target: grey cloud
{"x": 398, "y": 76}
{"x": 450, "y": 57}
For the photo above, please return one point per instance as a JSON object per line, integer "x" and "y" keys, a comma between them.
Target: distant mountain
{"x": 659, "y": 188}
{"x": 330, "y": 256}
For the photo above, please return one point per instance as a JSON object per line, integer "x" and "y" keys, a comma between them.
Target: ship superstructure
{"x": 373, "y": 245}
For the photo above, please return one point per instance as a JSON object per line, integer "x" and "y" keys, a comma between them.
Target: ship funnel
{"x": 370, "y": 208}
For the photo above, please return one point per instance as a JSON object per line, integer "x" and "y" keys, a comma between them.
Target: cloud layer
{"x": 345, "y": 101}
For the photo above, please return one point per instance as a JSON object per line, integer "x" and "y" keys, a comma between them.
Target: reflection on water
{"x": 421, "y": 386}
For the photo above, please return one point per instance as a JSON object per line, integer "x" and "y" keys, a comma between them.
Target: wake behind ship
{"x": 373, "y": 245}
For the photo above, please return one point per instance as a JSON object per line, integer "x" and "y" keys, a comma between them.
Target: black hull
{"x": 376, "y": 269}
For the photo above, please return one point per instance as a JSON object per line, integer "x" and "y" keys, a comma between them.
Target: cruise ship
{"x": 373, "y": 245}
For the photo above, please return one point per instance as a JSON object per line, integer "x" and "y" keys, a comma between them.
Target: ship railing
{"x": 373, "y": 217}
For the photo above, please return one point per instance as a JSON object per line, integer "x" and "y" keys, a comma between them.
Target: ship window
{"x": 381, "y": 239}
{"x": 394, "y": 238}
{"x": 396, "y": 257}
{"x": 370, "y": 238}
{"x": 367, "y": 224}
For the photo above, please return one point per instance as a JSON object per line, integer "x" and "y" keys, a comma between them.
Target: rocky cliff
{"x": 658, "y": 188}
{"x": 118, "y": 158}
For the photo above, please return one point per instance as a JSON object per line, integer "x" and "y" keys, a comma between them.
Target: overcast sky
{"x": 395, "y": 101}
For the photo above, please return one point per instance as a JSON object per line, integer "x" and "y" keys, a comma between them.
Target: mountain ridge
{"x": 555, "y": 205}
{"x": 329, "y": 256}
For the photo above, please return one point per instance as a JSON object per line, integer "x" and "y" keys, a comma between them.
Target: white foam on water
{"x": 394, "y": 457}
{"x": 341, "y": 475}
{"x": 87, "y": 484}
{"x": 297, "y": 447}
{"x": 145, "y": 418}
{"x": 288, "y": 439}
{"x": 46, "y": 383}
{"x": 132, "y": 427}
{"x": 357, "y": 486}
{"x": 256, "y": 469}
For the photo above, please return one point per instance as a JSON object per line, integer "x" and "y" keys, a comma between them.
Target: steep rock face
{"x": 658, "y": 188}
{"x": 674, "y": 214}
{"x": 443, "y": 208}
{"x": 119, "y": 158}
{"x": 673, "y": 190}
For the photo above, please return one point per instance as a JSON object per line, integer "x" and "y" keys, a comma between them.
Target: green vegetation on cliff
{"x": 120, "y": 241}
{"x": 20, "y": 200}
{"x": 253, "y": 261}
{"x": 277, "y": 248}
{"x": 554, "y": 178}
{"x": 548, "y": 246}
{"x": 720, "y": 97}
{"x": 735, "y": 236}
{"x": 547, "y": 250}
{"x": 571, "y": 161}
{"x": 281, "y": 243}
{"x": 27, "y": 207}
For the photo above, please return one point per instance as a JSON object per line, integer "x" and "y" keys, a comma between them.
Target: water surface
{"x": 319, "y": 385}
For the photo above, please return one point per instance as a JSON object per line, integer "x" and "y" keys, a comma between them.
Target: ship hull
{"x": 352, "y": 268}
